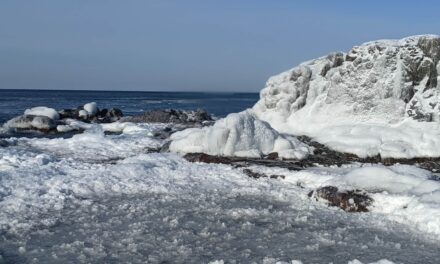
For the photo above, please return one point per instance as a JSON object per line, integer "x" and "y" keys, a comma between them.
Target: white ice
{"x": 239, "y": 134}
{"x": 43, "y": 111}
{"x": 91, "y": 108}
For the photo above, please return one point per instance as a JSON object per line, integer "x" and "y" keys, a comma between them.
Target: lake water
{"x": 14, "y": 102}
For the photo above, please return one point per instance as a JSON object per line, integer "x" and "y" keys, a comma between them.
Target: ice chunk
{"x": 43, "y": 111}
{"x": 83, "y": 113}
{"x": 240, "y": 134}
{"x": 91, "y": 108}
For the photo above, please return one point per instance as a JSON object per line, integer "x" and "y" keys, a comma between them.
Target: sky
{"x": 187, "y": 45}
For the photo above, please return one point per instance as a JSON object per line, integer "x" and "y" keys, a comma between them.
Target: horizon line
{"x": 131, "y": 91}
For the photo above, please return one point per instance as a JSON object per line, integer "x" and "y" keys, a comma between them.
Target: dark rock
{"x": 349, "y": 201}
{"x": 114, "y": 113}
{"x": 69, "y": 113}
{"x": 205, "y": 158}
{"x": 102, "y": 116}
{"x": 102, "y": 113}
{"x": 257, "y": 175}
{"x": 170, "y": 116}
{"x": 272, "y": 156}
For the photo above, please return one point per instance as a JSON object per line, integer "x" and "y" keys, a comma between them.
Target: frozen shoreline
{"x": 102, "y": 197}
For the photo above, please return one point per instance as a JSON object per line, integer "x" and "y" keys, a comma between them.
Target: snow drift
{"x": 240, "y": 134}
{"x": 360, "y": 101}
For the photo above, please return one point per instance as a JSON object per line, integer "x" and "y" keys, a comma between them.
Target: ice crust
{"x": 239, "y": 134}
{"x": 365, "y": 101}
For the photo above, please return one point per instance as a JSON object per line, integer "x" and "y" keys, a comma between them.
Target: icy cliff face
{"x": 381, "y": 81}
{"x": 381, "y": 97}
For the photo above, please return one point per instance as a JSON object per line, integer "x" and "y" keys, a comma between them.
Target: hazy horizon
{"x": 206, "y": 46}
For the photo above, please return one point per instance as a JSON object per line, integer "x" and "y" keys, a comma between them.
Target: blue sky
{"x": 203, "y": 45}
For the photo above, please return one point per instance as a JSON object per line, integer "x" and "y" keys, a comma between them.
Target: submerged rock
{"x": 349, "y": 201}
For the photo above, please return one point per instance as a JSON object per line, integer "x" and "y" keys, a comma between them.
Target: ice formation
{"x": 239, "y": 134}
{"x": 360, "y": 101}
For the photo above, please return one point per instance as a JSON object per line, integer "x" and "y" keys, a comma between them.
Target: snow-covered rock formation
{"x": 240, "y": 134}
{"x": 381, "y": 97}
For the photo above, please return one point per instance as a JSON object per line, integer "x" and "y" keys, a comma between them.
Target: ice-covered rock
{"x": 91, "y": 108}
{"x": 31, "y": 122}
{"x": 45, "y": 119}
{"x": 356, "y": 101}
{"x": 83, "y": 114}
{"x": 43, "y": 111}
{"x": 240, "y": 134}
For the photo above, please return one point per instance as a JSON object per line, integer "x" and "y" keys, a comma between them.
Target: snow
{"x": 401, "y": 193}
{"x": 239, "y": 134}
{"x": 104, "y": 198}
{"x": 364, "y": 105}
{"x": 43, "y": 111}
{"x": 115, "y": 127}
{"x": 91, "y": 108}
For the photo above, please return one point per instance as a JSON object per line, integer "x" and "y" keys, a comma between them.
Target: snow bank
{"x": 240, "y": 134}
{"x": 43, "y": 111}
{"x": 359, "y": 101}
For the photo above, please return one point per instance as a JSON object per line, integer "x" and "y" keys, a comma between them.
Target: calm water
{"x": 14, "y": 102}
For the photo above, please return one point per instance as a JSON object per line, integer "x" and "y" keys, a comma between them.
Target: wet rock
{"x": 257, "y": 175}
{"x": 349, "y": 201}
{"x": 170, "y": 116}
